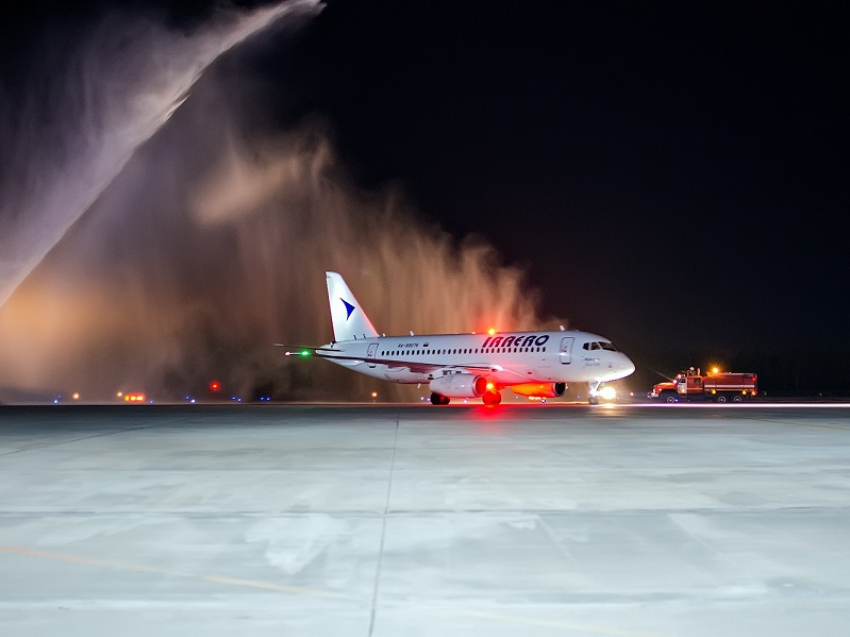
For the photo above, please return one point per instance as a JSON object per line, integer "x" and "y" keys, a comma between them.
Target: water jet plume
{"x": 91, "y": 105}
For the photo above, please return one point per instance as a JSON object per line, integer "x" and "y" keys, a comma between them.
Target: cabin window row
{"x": 485, "y": 350}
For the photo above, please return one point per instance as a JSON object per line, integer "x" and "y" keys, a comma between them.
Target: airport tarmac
{"x": 687, "y": 520}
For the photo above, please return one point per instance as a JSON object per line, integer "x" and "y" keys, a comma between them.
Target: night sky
{"x": 667, "y": 174}
{"x": 673, "y": 176}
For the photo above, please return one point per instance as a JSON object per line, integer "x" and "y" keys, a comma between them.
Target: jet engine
{"x": 459, "y": 386}
{"x": 540, "y": 390}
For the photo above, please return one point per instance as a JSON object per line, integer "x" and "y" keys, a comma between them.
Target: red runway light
{"x": 214, "y": 386}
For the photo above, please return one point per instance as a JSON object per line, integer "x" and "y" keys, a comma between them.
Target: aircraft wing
{"x": 414, "y": 366}
{"x": 417, "y": 367}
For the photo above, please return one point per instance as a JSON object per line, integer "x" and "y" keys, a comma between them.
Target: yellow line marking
{"x": 554, "y": 623}
{"x": 296, "y": 590}
{"x": 141, "y": 568}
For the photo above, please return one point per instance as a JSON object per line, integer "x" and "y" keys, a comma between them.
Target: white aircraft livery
{"x": 533, "y": 364}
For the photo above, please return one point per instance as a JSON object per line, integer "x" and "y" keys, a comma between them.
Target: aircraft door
{"x": 370, "y": 353}
{"x": 566, "y": 352}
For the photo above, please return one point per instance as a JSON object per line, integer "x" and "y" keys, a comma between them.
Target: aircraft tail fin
{"x": 349, "y": 319}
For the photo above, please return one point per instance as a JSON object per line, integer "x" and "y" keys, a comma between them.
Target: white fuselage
{"x": 505, "y": 359}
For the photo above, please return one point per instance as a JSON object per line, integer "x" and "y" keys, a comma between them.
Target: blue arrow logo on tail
{"x": 349, "y": 308}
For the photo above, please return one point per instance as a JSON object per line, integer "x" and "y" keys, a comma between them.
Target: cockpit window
{"x": 596, "y": 345}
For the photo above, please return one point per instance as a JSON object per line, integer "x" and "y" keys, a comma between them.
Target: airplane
{"x": 534, "y": 364}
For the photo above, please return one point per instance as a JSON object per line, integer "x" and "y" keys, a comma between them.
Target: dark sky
{"x": 668, "y": 174}
{"x": 671, "y": 175}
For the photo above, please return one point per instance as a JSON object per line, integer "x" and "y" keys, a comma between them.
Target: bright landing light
{"x": 608, "y": 393}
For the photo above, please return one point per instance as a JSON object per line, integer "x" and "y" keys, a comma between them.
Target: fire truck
{"x": 718, "y": 386}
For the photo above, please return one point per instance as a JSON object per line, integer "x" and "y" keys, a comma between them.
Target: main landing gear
{"x": 489, "y": 398}
{"x": 438, "y": 399}
{"x": 594, "y": 392}
{"x": 492, "y": 398}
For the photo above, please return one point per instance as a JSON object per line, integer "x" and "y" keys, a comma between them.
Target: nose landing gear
{"x": 593, "y": 386}
{"x": 597, "y": 392}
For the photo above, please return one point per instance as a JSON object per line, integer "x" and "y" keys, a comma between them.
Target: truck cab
{"x": 670, "y": 391}
{"x": 689, "y": 383}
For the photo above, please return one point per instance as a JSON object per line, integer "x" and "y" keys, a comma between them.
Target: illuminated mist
{"x": 211, "y": 244}
{"x": 87, "y": 112}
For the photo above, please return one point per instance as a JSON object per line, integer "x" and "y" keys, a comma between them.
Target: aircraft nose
{"x": 627, "y": 365}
